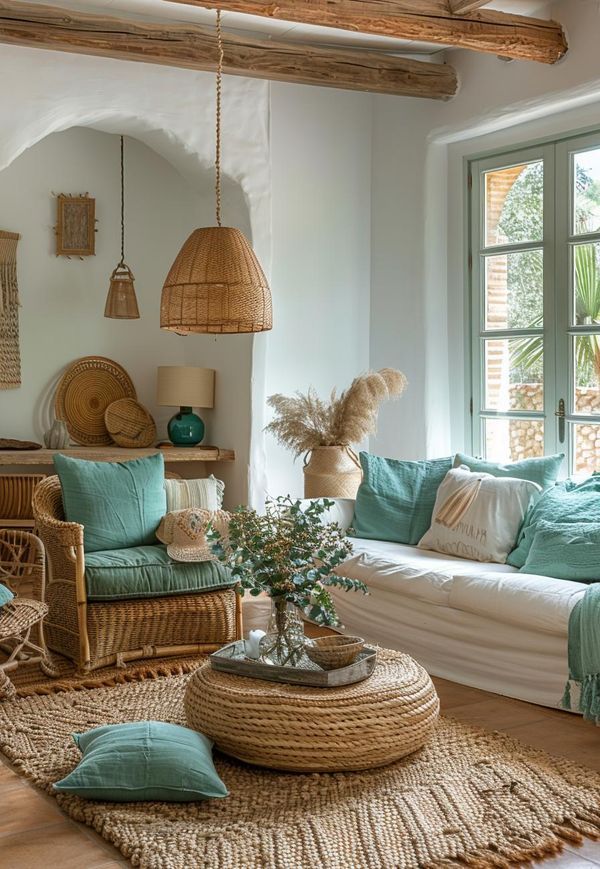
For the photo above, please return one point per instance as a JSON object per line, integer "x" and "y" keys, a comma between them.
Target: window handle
{"x": 560, "y": 413}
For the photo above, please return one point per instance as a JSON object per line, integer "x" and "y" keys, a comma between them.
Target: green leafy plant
{"x": 289, "y": 553}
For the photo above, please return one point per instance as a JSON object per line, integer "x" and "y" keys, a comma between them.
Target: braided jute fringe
{"x": 470, "y": 798}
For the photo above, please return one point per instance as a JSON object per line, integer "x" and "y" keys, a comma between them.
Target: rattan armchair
{"x": 98, "y": 634}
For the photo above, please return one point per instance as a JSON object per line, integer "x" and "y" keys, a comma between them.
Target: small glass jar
{"x": 283, "y": 644}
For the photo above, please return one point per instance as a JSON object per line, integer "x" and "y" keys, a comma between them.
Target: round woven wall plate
{"x": 84, "y": 392}
{"x": 129, "y": 423}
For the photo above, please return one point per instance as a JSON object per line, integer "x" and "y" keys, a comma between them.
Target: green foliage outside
{"x": 522, "y": 220}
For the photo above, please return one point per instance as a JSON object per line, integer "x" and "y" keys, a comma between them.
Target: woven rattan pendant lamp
{"x": 216, "y": 284}
{"x": 121, "y": 303}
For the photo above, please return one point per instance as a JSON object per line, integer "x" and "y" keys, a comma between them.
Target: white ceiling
{"x": 280, "y": 30}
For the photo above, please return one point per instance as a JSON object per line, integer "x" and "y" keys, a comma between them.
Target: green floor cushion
{"x": 119, "y": 504}
{"x": 143, "y": 760}
{"x": 567, "y": 502}
{"x": 543, "y": 470}
{"x": 148, "y": 571}
{"x": 395, "y": 499}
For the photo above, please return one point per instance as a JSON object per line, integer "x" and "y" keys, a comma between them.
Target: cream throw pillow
{"x": 204, "y": 494}
{"x": 478, "y": 516}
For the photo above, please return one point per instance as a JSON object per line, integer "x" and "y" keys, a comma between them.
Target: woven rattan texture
{"x": 469, "y": 796}
{"x": 84, "y": 392}
{"x": 294, "y": 727}
{"x": 112, "y": 631}
{"x": 129, "y": 424}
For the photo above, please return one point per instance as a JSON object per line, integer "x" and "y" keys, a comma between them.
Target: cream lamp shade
{"x": 185, "y": 386}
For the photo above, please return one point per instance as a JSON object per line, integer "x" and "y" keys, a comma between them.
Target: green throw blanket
{"x": 584, "y": 655}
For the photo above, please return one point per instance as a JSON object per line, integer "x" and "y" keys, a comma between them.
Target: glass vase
{"x": 283, "y": 644}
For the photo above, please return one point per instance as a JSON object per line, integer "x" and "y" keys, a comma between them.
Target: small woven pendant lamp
{"x": 216, "y": 284}
{"x": 121, "y": 302}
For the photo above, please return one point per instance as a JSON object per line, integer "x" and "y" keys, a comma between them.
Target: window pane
{"x": 514, "y": 290}
{"x": 586, "y": 354}
{"x": 514, "y": 206}
{"x": 586, "y": 186}
{"x": 586, "y": 284}
{"x": 514, "y": 374}
{"x": 586, "y": 447}
{"x": 510, "y": 440}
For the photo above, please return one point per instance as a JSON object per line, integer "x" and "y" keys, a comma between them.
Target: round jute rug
{"x": 469, "y": 797}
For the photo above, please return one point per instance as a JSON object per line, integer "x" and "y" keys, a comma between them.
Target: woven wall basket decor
{"x": 129, "y": 424}
{"x": 85, "y": 391}
{"x": 10, "y": 355}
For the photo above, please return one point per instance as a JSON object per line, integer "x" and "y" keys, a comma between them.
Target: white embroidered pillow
{"x": 478, "y": 516}
{"x": 206, "y": 494}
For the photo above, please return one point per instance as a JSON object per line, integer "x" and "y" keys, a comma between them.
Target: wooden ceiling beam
{"x": 514, "y": 36}
{"x": 194, "y": 47}
{"x": 464, "y": 7}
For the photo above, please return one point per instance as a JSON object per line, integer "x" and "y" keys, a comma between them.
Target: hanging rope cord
{"x": 122, "y": 206}
{"x": 218, "y": 118}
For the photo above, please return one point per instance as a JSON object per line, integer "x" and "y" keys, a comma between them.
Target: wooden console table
{"x": 173, "y": 455}
{"x": 21, "y": 471}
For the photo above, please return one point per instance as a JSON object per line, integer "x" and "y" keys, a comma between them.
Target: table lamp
{"x": 185, "y": 387}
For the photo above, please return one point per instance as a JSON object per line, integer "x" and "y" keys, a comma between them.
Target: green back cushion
{"x": 6, "y": 594}
{"x": 543, "y": 471}
{"x": 120, "y": 504}
{"x": 395, "y": 499}
{"x": 145, "y": 760}
{"x": 148, "y": 571}
{"x": 567, "y": 502}
{"x": 565, "y": 551}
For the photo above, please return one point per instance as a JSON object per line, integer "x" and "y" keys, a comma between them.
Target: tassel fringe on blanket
{"x": 582, "y": 691}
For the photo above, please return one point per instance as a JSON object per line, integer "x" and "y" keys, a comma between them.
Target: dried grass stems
{"x": 304, "y": 422}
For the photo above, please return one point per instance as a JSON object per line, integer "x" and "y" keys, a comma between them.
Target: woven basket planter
{"x": 332, "y": 472}
{"x": 293, "y": 727}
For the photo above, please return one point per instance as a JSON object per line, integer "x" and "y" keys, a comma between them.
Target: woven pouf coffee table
{"x": 302, "y": 729}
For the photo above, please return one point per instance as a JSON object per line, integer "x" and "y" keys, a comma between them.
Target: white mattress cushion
{"x": 536, "y": 602}
{"x": 420, "y": 574}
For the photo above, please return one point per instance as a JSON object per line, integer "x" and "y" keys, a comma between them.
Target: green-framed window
{"x": 534, "y": 265}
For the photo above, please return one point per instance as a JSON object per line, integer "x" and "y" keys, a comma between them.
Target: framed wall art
{"x": 75, "y": 225}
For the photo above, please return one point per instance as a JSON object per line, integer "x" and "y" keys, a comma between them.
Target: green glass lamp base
{"x": 185, "y": 429}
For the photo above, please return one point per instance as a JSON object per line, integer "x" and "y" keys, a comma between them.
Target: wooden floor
{"x": 34, "y": 834}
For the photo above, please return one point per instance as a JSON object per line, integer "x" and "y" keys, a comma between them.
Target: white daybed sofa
{"x": 484, "y": 625}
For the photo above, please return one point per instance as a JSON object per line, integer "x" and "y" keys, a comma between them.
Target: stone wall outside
{"x": 525, "y": 441}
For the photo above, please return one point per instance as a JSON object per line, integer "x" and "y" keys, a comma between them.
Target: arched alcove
{"x": 52, "y": 95}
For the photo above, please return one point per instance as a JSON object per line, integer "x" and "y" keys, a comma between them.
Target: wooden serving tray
{"x": 232, "y": 659}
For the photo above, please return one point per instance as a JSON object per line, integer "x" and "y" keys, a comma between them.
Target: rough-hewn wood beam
{"x": 492, "y": 32}
{"x": 194, "y": 47}
{"x": 464, "y": 7}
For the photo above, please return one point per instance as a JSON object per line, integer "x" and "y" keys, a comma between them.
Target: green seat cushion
{"x": 395, "y": 499}
{"x": 144, "y": 760}
{"x": 543, "y": 471}
{"x": 148, "y": 571}
{"x": 565, "y": 551}
{"x": 567, "y": 502}
{"x": 119, "y": 504}
{"x": 6, "y": 594}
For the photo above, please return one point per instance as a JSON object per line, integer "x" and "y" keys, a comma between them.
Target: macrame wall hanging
{"x": 10, "y": 355}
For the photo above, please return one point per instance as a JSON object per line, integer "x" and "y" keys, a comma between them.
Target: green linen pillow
{"x": 395, "y": 499}
{"x": 144, "y": 760}
{"x": 568, "y": 502}
{"x": 543, "y": 471}
{"x": 120, "y": 504}
{"x": 6, "y": 594}
{"x": 565, "y": 552}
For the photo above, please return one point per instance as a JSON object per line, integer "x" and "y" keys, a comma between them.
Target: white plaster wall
{"x": 321, "y": 218}
{"x": 418, "y": 315}
{"x": 172, "y": 111}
